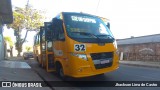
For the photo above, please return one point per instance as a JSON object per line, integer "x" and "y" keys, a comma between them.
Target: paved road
{"x": 124, "y": 73}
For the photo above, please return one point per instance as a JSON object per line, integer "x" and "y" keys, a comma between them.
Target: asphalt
{"x": 19, "y": 70}
{"x": 124, "y": 73}
{"x": 141, "y": 63}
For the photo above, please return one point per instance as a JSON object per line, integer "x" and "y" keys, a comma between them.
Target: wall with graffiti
{"x": 144, "y": 52}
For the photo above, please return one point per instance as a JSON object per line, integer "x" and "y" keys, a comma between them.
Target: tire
{"x": 60, "y": 72}
{"x": 39, "y": 64}
{"x": 25, "y": 58}
{"x": 37, "y": 58}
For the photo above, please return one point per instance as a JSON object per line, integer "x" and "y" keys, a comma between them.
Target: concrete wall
{"x": 2, "y": 55}
{"x": 6, "y": 17}
{"x": 145, "y": 52}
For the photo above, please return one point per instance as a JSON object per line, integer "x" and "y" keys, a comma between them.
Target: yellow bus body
{"x": 76, "y": 67}
{"x": 65, "y": 54}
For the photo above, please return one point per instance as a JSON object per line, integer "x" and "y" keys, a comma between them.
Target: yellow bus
{"x": 76, "y": 45}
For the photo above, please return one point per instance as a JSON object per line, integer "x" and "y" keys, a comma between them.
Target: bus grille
{"x": 102, "y": 60}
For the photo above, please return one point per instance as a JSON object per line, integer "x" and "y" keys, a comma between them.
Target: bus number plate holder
{"x": 105, "y": 61}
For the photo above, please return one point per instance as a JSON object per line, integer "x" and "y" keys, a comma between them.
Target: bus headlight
{"x": 81, "y": 56}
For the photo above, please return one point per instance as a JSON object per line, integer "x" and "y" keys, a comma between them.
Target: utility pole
{"x": 97, "y": 6}
{"x": 27, "y": 4}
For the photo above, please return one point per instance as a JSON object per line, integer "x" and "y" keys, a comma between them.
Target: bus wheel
{"x": 37, "y": 59}
{"x": 59, "y": 70}
{"x": 25, "y": 58}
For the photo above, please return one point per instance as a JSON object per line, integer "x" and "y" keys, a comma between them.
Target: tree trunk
{"x": 11, "y": 51}
{"x": 18, "y": 42}
{"x": 25, "y": 37}
{"x": 21, "y": 44}
{"x": 19, "y": 49}
{"x": 18, "y": 54}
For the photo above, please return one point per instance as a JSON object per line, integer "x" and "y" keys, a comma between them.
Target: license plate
{"x": 105, "y": 61}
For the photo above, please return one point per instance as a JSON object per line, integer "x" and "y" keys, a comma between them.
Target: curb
{"x": 140, "y": 65}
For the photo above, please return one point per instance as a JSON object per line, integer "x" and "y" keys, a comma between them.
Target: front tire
{"x": 25, "y": 58}
{"x": 60, "y": 72}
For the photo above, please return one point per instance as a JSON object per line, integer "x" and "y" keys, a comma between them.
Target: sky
{"x": 127, "y": 17}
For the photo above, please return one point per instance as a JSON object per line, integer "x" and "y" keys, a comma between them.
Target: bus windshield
{"x": 86, "y": 28}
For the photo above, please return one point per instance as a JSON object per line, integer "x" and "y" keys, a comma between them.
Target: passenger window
{"x": 61, "y": 33}
{"x": 37, "y": 40}
{"x": 34, "y": 40}
{"x": 58, "y": 32}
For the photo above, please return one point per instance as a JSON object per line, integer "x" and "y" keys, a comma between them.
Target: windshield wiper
{"x": 99, "y": 40}
{"x": 107, "y": 37}
{"x": 86, "y": 33}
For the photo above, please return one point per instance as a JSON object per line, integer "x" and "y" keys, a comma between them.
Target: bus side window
{"x": 43, "y": 36}
{"x": 43, "y": 41}
{"x": 54, "y": 33}
{"x": 58, "y": 32}
{"x": 61, "y": 33}
{"x": 37, "y": 39}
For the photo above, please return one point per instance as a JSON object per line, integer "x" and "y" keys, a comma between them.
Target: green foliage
{"x": 18, "y": 20}
{"x": 18, "y": 46}
{"x": 28, "y": 48}
{"x": 25, "y": 18}
{"x": 33, "y": 19}
{"x": 9, "y": 40}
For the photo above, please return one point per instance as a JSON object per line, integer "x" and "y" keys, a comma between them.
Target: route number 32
{"x": 80, "y": 47}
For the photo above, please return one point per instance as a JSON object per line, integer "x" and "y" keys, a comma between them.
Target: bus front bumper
{"x": 87, "y": 71}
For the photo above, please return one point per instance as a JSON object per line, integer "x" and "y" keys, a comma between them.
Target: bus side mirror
{"x": 108, "y": 25}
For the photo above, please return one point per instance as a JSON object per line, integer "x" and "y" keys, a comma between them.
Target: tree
{"x": 9, "y": 40}
{"x": 28, "y": 19}
{"x": 28, "y": 48}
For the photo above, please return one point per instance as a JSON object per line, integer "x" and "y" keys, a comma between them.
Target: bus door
{"x": 49, "y": 47}
{"x": 42, "y": 47}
